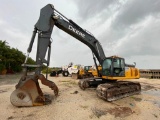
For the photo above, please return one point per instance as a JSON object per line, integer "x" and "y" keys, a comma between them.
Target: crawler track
{"x": 111, "y": 91}
{"x": 118, "y": 90}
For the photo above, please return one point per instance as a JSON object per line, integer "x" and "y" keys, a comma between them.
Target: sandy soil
{"x": 76, "y": 104}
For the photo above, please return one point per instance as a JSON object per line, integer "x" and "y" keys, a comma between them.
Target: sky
{"x": 127, "y": 28}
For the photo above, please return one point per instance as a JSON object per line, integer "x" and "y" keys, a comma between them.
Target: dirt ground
{"x": 76, "y": 104}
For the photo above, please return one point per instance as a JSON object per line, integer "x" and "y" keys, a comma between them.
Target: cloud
{"x": 128, "y": 28}
{"x": 135, "y": 11}
{"x": 90, "y": 8}
{"x": 15, "y": 37}
{"x": 143, "y": 40}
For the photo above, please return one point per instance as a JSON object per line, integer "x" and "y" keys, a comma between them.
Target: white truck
{"x": 70, "y": 69}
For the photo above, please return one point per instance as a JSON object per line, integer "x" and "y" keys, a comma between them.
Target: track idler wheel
{"x": 83, "y": 84}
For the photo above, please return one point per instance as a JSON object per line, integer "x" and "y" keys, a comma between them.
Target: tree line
{"x": 11, "y": 59}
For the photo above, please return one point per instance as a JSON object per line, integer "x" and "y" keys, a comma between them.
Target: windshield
{"x": 106, "y": 66}
{"x": 116, "y": 63}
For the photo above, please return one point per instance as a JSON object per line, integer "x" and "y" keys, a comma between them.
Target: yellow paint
{"x": 130, "y": 73}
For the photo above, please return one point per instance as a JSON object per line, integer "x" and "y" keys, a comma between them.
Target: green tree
{"x": 3, "y": 50}
{"x": 11, "y": 58}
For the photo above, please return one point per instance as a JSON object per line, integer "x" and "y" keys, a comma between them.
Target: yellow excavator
{"x": 86, "y": 72}
{"x": 109, "y": 81}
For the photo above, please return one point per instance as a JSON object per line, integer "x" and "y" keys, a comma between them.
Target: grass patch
{"x": 68, "y": 83}
{"x": 97, "y": 112}
{"x": 64, "y": 81}
{"x": 73, "y": 82}
{"x": 84, "y": 106}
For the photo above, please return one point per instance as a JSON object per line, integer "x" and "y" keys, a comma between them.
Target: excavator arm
{"x": 50, "y": 17}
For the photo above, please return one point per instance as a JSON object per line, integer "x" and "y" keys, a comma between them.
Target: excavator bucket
{"x": 29, "y": 93}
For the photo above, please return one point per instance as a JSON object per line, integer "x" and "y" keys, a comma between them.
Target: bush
{"x": 44, "y": 70}
{"x": 2, "y": 67}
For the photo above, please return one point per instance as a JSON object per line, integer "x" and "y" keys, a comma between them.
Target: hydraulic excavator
{"x": 109, "y": 84}
{"x": 86, "y": 72}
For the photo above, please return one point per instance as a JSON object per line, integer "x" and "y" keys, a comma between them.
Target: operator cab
{"x": 113, "y": 66}
{"x": 87, "y": 68}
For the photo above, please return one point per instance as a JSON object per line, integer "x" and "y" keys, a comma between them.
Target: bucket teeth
{"x": 48, "y": 83}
